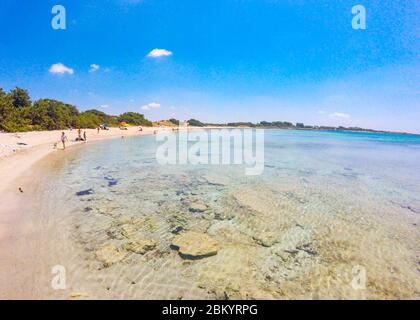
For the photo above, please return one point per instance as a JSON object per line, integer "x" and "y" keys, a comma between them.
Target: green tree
{"x": 17, "y": 113}
{"x": 20, "y": 98}
{"x": 12, "y": 119}
{"x": 53, "y": 115}
{"x": 195, "y": 123}
{"x": 174, "y": 121}
{"x": 92, "y": 118}
{"x": 6, "y": 110}
{"x": 241, "y": 124}
{"x": 134, "y": 118}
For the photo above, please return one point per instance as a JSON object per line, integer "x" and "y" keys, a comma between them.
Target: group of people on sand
{"x": 83, "y": 137}
{"x": 64, "y": 138}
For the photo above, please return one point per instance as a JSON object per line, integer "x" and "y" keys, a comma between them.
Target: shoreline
{"x": 24, "y": 168}
{"x": 20, "y": 151}
{"x": 17, "y": 165}
{"x": 27, "y": 168}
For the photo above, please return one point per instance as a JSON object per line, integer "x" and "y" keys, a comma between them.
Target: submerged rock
{"x": 177, "y": 222}
{"x": 109, "y": 255}
{"x": 175, "y": 229}
{"x": 194, "y": 245}
{"x": 216, "y": 179}
{"x": 140, "y": 246}
{"x": 114, "y": 232}
{"x": 197, "y": 206}
{"x": 130, "y": 228}
{"x": 412, "y": 209}
{"x": 194, "y": 205}
{"x": 266, "y": 239}
{"x": 129, "y": 231}
{"x": 84, "y": 192}
{"x": 111, "y": 181}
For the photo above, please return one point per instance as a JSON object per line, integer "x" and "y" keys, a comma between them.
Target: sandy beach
{"x": 19, "y": 151}
{"x": 21, "y": 155}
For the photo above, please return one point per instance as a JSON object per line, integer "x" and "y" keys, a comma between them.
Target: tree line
{"x": 18, "y": 113}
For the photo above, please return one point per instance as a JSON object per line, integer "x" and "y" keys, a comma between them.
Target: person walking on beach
{"x": 79, "y": 135}
{"x": 63, "y": 140}
{"x": 84, "y": 136}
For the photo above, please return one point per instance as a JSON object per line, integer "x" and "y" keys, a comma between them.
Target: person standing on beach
{"x": 63, "y": 140}
{"x": 84, "y": 136}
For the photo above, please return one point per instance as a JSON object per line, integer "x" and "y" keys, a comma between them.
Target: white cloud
{"x": 104, "y": 106}
{"x": 59, "y": 68}
{"x": 94, "y": 67}
{"x": 340, "y": 115}
{"x": 321, "y": 112}
{"x": 152, "y": 105}
{"x": 156, "y": 53}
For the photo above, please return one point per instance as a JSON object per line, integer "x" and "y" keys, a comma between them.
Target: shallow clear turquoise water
{"x": 319, "y": 189}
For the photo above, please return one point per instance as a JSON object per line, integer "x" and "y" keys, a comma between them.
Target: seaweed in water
{"x": 408, "y": 207}
{"x": 84, "y": 192}
{"x": 414, "y": 210}
{"x": 111, "y": 181}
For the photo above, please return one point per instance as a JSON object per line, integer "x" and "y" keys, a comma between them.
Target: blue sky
{"x": 228, "y": 60}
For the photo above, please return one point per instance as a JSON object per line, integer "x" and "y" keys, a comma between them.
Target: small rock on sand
{"x": 194, "y": 245}
{"x": 78, "y": 295}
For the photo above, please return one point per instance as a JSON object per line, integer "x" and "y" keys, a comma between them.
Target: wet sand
{"x": 24, "y": 165}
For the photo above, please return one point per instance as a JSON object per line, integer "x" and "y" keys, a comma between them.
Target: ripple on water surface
{"x": 321, "y": 212}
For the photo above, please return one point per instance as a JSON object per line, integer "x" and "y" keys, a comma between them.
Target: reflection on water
{"x": 326, "y": 206}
